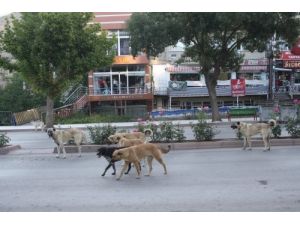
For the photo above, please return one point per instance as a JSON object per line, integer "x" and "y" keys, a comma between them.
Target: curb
{"x": 226, "y": 143}
{"x": 6, "y": 149}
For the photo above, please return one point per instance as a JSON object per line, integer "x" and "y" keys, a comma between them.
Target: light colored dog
{"x": 115, "y": 138}
{"x": 145, "y": 137}
{"x": 136, "y": 153}
{"x": 249, "y": 130}
{"x": 62, "y": 137}
{"x": 124, "y": 142}
{"x": 38, "y": 124}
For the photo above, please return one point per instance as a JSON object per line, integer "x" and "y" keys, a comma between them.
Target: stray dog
{"x": 107, "y": 152}
{"x": 61, "y": 137}
{"x": 124, "y": 142}
{"x": 38, "y": 124}
{"x": 114, "y": 139}
{"x": 249, "y": 130}
{"x": 136, "y": 153}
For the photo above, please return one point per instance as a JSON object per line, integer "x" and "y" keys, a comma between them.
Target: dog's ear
{"x": 54, "y": 129}
{"x": 238, "y": 123}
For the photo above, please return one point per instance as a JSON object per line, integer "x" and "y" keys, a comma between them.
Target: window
{"x": 124, "y": 46}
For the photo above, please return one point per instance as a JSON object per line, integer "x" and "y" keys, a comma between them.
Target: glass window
{"x": 136, "y": 68}
{"x": 124, "y": 46}
{"x": 119, "y": 68}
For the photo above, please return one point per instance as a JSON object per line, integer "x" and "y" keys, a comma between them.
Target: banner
{"x": 238, "y": 87}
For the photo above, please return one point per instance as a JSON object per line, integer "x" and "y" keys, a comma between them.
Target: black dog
{"x": 106, "y": 152}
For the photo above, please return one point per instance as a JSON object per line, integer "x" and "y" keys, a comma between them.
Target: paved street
{"x": 198, "y": 180}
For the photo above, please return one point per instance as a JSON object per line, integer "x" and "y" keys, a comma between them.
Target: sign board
{"x": 238, "y": 87}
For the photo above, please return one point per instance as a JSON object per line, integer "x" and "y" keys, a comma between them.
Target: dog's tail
{"x": 165, "y": 150}
{"x": 272, "y": 122}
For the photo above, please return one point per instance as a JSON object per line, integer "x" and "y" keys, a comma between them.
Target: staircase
{"x": 282, "y": 98}
{"x": 76, "y": 101}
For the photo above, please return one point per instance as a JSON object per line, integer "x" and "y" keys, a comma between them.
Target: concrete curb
{"x": 6, "y": 149}
{"x": 225, "y": 143}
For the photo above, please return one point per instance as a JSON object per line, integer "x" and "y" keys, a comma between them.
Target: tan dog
{"x": 61, "y": 137}
{"x": 135, "y": 154}
{"x": 115, "y": 138}
{"x": 249, "y": 130}
{"x": 124, "y": 142}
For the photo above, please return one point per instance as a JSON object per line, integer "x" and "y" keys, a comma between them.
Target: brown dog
{"x": 136, "y": 153}
{"x": 115, "y": 138}
{"x": 124, "y": 142}
{"x": 249, "y": 130}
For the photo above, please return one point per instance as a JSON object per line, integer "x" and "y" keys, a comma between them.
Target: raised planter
{"x": 6, "y": 149}
{"x": 220, "y": 143}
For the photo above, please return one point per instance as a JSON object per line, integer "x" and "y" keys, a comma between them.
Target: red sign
{"x": 238, "y": 87}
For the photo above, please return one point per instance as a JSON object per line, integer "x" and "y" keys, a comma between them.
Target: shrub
{"x": 4, "y": 140}
{"x": 99, "y": 134}
{"x": 276, "y": 131}
{"x": 202, "y": 130}
{"x": 164, "y": 132}
{"x": 80, "y": 117}
{"x": 293, "y": 127}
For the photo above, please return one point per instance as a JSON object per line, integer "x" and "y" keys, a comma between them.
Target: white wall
{"x": 160, "y": 76}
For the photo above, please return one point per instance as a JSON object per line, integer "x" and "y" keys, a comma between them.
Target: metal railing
{"x": 75, "y": 95}
{"x": 120, "y": 91}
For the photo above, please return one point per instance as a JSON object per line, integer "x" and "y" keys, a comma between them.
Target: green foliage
{"x": 202, "y": 130}
{"x": 211, "y": 38}
{"x": 53, "y": 50}
{"x": 4, "y": 140}
{"x": 293, "y": 127}
{"x": 239, "y": 134}
{"x": 164, "y": 132}
{"x": 276, "y": 131}
{"x": 95, "y": 118}
{"x": 22, "y": 99}
{"x": 99, "y": 134}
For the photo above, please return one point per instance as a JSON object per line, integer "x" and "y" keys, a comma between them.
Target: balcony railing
{"x": 119, "y": 91}
{"x": 221, "y": 91}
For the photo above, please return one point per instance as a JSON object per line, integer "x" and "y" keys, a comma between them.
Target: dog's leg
{"x": 114, "y": 168}
{"x": 149, "y": 161}
{"x": 137, "y": 166}
{"x": 64, "y": 150}
{"x": 79, "y": 150}
{"x": 249, "y": 143}
{"x": 123, "y": 170}
{"x": 160, "y": 160}
{"x": 245, "y": 143}
{"x": 58, "y": 151}
{"x": 129, "y": 168}
{"x": 266, "y": 143}
{"x": 109, "y": 165}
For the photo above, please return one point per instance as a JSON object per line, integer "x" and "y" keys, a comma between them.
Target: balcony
{"x": 221, "y": 91}
{"x": 125, "y": 93}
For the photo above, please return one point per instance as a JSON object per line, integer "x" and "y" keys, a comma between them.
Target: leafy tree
{"x": 50, "y": 50}
{"x": 15, "y": 98}
{"x": 212, "y": 39}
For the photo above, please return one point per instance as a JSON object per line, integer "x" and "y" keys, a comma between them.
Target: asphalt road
{"x": 198, "y": 180}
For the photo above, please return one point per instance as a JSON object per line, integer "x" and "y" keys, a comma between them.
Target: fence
{"x": 6, "y": 118}
{"x": 26, "y": 116}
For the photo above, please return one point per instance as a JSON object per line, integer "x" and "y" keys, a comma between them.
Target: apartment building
{"x": 125, "y": 87}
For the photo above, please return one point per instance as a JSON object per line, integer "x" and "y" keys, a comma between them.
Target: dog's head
{"x": 237, "y": 125}
{"x": 120, "y": 154}
{"x": 101, "y": 151}
{"x": 114, "y": 139}
{"x": 50, "y": 132}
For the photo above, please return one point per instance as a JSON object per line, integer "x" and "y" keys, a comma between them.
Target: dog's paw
{"x": 103, "y": 174}
{"x": 126, "y": 173}
{"x": 114, "y": 173}
{"x": 118, "y": 178}
{"x": 138, "y": 177}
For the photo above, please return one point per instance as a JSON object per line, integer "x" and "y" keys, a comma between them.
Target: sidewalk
{"x": 121, "y": 125}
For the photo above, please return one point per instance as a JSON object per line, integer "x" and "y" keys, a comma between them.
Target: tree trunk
{"x": 49, "y": 113}
{"x": 211, "y": 83}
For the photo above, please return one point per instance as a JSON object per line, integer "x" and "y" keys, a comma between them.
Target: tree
{"x": 50, "y": 50}
{"x": 212, "y": 39}
{"x": 22, "y": 99}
